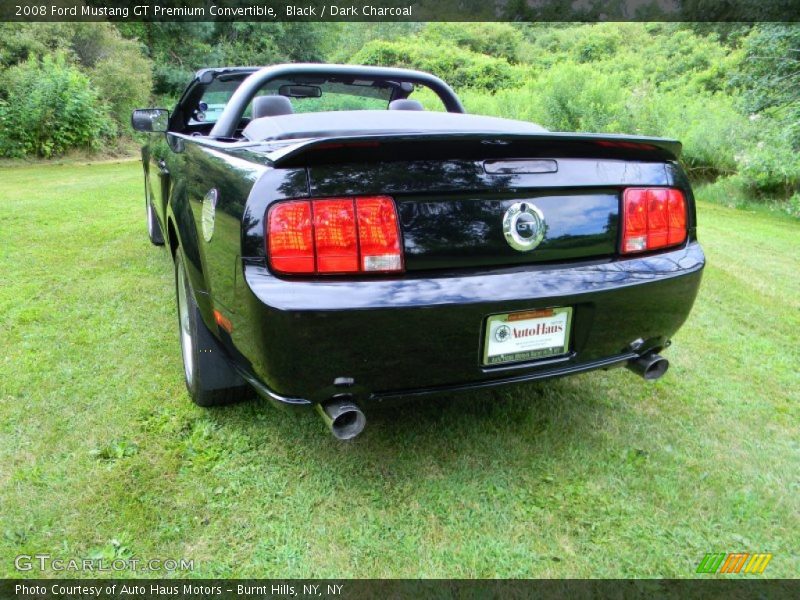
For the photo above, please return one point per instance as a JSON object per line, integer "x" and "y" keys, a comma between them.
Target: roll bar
{"x": 239, "y": 100}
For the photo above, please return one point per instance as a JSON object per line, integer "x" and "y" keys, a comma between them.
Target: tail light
{"x": 652, "y": 218}
{"x": 334, "y": 236}
{"x": 291, "y": 238}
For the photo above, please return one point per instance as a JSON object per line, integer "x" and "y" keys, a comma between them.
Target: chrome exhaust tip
{"x": 343, "y": 417}
{"x": 650, "y": 366}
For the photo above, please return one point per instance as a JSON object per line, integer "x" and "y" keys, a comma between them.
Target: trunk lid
{"x": 475, "y": 230}
{"x": 488, "y": 201}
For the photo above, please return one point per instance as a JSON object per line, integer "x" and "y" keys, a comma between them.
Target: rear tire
{"x": 210, "y": 378}
{"x": 153, "y": 228}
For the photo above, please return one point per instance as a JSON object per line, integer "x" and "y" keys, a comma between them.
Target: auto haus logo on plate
{"x": 524, "y": 226}
{"x": 527, "y": 335}
{"x": 502, "y": 333}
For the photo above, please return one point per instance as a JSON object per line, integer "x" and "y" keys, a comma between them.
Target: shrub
{"x": 459, "y": 67}
{"x": 768, "y": 164}
{"x": 570, "y": 98}
{"x": 578, "y": 98}
{"x": 708, "y": 125}
{"x": 793, "y": 205}
{"x": 123, "y": 80}
{"x": 20, "y": 41}
{"x": 50, "y": 108}
{"x": 727, "y": 191}
{"x": 92, "y": 42}
{"x": 117, "y": 67}
{"x": 500, "y": 40}
{"x": 511, "y": 103}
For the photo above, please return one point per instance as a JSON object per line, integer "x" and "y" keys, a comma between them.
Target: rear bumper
{"x": 409, "y": 336}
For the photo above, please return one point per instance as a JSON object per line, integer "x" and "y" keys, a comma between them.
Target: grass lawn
{"x": 599, "y": 475}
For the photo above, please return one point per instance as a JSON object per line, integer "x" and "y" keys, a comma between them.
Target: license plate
{"x": 527, "y": 335}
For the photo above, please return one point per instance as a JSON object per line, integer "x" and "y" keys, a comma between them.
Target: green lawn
{"x": 600, "y": 475}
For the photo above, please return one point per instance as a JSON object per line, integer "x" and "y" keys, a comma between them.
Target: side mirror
{"x": 150, "y": 120}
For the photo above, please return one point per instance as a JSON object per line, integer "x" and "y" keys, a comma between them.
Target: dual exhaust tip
{"x": 343, "y": 417}
{"x": 650, "y": 366}
{"x": 346, "y": 420}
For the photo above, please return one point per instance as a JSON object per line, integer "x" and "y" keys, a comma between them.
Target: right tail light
{"x": 652, "y": 218}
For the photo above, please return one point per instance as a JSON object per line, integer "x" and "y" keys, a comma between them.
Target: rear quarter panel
{"x": 194, "y": 170}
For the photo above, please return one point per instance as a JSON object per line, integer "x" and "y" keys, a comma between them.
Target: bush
{"x": 711, "y": 130}
{"x": 578, "y": 98}
{"x": 570, "y": 98}
{"x": 727, "y": 191}
{"x": 658, "y": 54}
{"x": 768, "y": 164}
{"x": 500, "y": 40}
{"x": 117, "y": 67}
{"x": 123, "y": 80}
{"x": 793, "y": 205}
{"x": 459, "y": 67}
{"x": 20, "y": 41}
{"x": 51, "y": 107}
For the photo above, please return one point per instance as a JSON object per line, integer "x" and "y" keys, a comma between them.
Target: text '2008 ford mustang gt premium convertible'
{"x": 337, "y": 245}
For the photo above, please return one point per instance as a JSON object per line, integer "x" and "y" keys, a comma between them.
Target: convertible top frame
{"x": 232, "y": 114}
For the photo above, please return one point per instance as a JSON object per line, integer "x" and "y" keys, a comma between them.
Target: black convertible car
{"x": 336, "y": 244}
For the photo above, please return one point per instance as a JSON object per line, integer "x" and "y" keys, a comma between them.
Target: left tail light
{"x": 652, "y": 218}
{"x": 334, "y": 236}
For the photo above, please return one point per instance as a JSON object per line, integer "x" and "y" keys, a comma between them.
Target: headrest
{"x": 271, "y": 106}
{"x": 405, "y": 104}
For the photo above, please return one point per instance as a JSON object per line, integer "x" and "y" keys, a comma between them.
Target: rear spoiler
{"x": 423, "y": 146}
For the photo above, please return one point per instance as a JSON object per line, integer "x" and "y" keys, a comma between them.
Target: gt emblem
{"x": 209, "y": 213}
{"x": 523, "y": 226}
